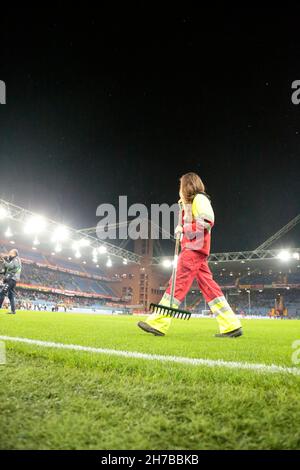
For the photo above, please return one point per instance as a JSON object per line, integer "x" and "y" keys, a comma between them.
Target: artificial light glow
{"x": 58, "y": 248}
{"x": 8, "y": 233}
{"x": 109, "y": 263}
{"x": 78, "y": 254}
{"x": 296, "y": 256}
{"x": 36, "y": 242}
{"x": 284, "y": 255}
{"x": 60, "y": 234}
{"x": 75, "y": 245}
{"x": 125, "y": 262}
{"x": 84, "y": 242}
{"x": 167, "y": 263}
{"x": 102, "y": 249}
{"x": 3, "y": 212}
{"x": 35, "y": 224}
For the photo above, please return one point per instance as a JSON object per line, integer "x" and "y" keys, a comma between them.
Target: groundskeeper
{"x": 195, "y": 230}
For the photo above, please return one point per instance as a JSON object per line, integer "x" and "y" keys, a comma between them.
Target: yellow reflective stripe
{"x": 218, "y": 306}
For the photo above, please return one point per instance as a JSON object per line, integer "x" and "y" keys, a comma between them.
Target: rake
{"x": 163, "y": 309}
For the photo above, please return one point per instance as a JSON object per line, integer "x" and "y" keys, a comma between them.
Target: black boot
{"x": 230, "y": 334}
{"x": 145, "y": 327}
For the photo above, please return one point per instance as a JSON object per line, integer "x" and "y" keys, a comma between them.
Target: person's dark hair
{"x": 191, "y": 185}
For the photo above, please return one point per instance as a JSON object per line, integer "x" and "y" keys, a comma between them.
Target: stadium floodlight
{"x": 284, "y": 255}
{"x": 58, "y": 248}
{"x": 61, "y": 233}
{"x": 3, "y": 212}
{"x": 125, "y": 262}
{"x": 8, "y": 233}
{"x": 35, "y": 224}
{"x": 77, "y": 254}
{"x": 102, "y": 249}
{"x": 75, "y": 245}
{"x": 296, "y": 256}
{"x": 167, "y": 263}
{"x": 84, "y": 242}
{"x": 36, "y": 241}
{"x": 109, "y": 263}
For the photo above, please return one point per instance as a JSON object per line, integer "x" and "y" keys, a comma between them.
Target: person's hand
{"x": 178, "y": 231}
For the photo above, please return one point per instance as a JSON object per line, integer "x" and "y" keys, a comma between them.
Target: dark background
{"x": 102, "y": 104}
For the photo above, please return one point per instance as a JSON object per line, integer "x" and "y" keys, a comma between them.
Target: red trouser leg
{"x": 186, "y": 271}
{"x": 208, "y": 286}
{"x": 187, "y": 267}
{"x": 214, "y": 296}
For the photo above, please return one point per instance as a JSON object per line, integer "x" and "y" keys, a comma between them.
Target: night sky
{"x": 101, "y": 105}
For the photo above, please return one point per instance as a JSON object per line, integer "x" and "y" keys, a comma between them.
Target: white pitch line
{"x": 265, "y": 368}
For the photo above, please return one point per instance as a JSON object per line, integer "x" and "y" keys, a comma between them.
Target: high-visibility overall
{"x": 193, "y": 264}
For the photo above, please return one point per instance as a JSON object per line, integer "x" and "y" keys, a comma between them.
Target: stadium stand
{"x": 34, "y": 256}
{"x": 33, "y": 275}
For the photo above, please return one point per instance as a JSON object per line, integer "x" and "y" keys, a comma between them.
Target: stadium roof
{"x": 53, "y": 236}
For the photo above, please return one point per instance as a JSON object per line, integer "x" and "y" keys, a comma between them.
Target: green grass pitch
{"x": 58, "y": 399}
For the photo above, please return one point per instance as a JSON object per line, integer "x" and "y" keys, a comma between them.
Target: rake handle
{"x": 176, "y": 254}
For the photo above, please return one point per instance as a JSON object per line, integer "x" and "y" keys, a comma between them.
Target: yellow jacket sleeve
{"x": 202, "y": 208}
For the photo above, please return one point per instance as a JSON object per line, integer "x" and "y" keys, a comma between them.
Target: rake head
{"x": 170, "y": 312}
